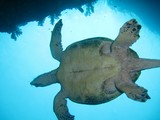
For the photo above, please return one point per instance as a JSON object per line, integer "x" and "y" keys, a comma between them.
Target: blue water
{"x": 22, "y": 60}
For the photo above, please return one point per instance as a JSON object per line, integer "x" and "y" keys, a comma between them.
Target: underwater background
{"x": 23, "y": 60}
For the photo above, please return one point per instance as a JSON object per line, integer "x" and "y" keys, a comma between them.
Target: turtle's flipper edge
{"x": 55, "y": 44}
{"x": 128, "y": 34}
{"x": 60, "y": 107}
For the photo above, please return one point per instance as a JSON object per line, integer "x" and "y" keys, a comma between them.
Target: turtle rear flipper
{"x": 45, "y": 79}
{"x": 60, "y": 107}
{"x": 55, "y": 44}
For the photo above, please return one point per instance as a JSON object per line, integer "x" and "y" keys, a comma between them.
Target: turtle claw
{"x": 138, "y": 93}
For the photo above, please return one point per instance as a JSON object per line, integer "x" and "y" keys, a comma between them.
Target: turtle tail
{"x": 45, "y": 79}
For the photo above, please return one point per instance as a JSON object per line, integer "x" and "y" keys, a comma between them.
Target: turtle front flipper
{"x": 132, "y": 90}
{"x": 128, "y": 34}
{"x": 60, "y": 107}
{"x": 55, "y": 44}
{"x": 45, "y": 79}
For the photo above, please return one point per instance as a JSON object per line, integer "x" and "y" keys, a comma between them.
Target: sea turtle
{"x": 96, "y": 70}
